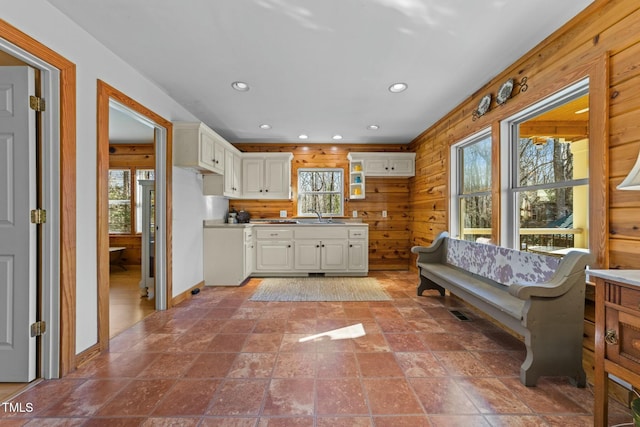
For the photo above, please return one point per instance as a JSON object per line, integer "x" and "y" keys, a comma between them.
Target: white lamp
{"x": 632, "y": 181}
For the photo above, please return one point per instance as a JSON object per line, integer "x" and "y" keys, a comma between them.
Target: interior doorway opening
{"x": 127, "y": 211}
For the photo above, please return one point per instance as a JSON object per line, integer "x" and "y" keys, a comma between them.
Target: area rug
{"x": 320, "y": 289}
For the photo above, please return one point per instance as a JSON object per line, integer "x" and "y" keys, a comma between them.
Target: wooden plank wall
{"x": 141, "y": 156}
{"x": 605, "y": 27}
{"x": 389, "y": 246}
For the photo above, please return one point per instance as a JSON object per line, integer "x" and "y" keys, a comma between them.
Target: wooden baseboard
{"x": 186, "y": 294}
{"x": 86, "y": 355}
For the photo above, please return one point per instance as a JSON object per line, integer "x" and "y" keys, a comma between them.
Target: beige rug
{"x": 320, "y": 289}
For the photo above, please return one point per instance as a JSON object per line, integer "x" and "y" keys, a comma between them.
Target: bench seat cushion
{"x": 493, "y": 294}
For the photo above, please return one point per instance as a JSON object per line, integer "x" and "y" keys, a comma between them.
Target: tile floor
{"x": 222, "y": 360}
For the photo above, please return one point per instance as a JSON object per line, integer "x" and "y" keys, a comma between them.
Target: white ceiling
{"x": 320, "y": 67}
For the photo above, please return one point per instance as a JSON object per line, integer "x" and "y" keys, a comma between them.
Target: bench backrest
{"x": 503, "y": 265}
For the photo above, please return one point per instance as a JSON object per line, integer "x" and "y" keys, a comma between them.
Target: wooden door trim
{"x": 67, "y": 196}
{"x": 105, "y": 93}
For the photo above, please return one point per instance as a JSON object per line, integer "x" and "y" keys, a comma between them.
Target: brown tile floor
{"x": 222, "y": 360}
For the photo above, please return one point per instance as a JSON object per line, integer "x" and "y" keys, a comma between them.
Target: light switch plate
{"x": 283, "y": 214}
{"x": 384, "y": 214}
{"x": 355, "y": 214}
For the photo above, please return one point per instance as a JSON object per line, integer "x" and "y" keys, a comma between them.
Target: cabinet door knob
{"x": 610, "y": 337}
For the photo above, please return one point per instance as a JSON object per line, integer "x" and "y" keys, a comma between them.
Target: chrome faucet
{"x": 317, "y": 212}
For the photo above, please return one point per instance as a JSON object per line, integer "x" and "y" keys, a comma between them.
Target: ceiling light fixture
{"x": 373, "y": 127}
{"x": 584, "y": 110}
{"x": 240, "y": 86}
{"x": 265, "y": 126}
{"x": 303, "y": 136}
{"x": 398, "y": 87}
{"x": 337, "y": 137}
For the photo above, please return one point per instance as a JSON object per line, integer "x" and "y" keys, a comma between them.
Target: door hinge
{"x": 37, "y": 103}
{"x": 38, "y": 328}
{"x": 38, "y": 216}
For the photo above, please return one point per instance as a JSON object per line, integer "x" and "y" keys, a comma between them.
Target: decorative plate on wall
{"x": 504, "y": 92}
{"x": 484, "y": 105}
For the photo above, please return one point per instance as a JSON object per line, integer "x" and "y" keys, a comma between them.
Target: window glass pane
{"x": 545, "y": 160}
{"x": 320, "y": 190}
{"x": 119, "y": 201}
{"x": 476, "y": 167}
{"x": 475, "y": 217}
{"x": 553, "y": 219}
{"x": 141, "y": 174}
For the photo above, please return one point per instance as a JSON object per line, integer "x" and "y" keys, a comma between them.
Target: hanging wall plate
{"x": 504, "y": 93}
{"x": 484, "y": 105}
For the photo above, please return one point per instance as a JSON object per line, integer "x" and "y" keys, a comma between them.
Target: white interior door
{"x": 18, "y": 236}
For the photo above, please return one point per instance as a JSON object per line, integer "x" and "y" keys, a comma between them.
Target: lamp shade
{"x": 632, "y": 181}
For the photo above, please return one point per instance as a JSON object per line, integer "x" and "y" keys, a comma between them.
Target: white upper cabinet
{"x": 198, "y": 147}
{"x": 232, "y": 173}
{"x": 387, "y": 164}
{"x": 266, "y": 175}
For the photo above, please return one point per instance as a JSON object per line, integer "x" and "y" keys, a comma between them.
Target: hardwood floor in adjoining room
{"x": 219, "y": 359}
{"x": 126, "y": 306}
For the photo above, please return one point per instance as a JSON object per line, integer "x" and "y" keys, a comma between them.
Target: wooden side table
{"x": 617, "y": 338}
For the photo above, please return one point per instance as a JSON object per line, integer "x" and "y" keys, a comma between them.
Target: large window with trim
{"x": 320, "y": 190}
{"x": 544, "y": 178}
{"x": 546, "y": 174}
{"x": 471, "y": 204}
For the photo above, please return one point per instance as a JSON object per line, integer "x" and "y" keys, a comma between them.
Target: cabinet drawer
{"x": 357, "y": 233}
{"x": 322, "y": 232}
{"x": 629, "y": 298}
{"x": 625, "y": 347}
{"x": 273, "y": 233}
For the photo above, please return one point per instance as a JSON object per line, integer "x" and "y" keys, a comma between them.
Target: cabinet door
{"x": 252, "y": 178}
{"x": 207, "y": 150}
{"x": 249, "y": 251}
{"x": 404, "y": 167}
{"x": 218, "y": 157}
{"x": 237, "y": 174}
{"x": 276, "y": 178}
{"x": 334, "y": 254}
{"x": 376, "y": 166}
{"x": 358, "y": 255}
{"x": 274, "y": 255}
{"x": 307, "y": 255}
{"x": 229, "y": 189}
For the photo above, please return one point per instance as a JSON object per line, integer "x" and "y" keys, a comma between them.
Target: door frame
{"x": 164, "y": 161}
{"x": 58, "y": 355}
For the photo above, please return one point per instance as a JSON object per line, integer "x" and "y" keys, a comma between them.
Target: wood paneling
{"x": 389, "y": 242}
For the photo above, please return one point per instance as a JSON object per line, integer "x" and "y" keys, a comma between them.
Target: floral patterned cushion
{"x": 503, "y": 265}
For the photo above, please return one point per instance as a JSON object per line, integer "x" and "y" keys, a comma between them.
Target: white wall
{"x": 48, "y": 26}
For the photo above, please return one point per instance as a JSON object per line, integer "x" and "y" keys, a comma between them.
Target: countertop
{"x": 627, "y": 276}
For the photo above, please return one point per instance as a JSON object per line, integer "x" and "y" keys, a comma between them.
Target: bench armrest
{"x": 431, "y": 253}
{"x": 570, "y": 272}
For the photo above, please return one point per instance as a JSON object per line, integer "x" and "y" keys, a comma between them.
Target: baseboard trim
{"x": 186, "y": 294}
{"x": 86, "y": 355}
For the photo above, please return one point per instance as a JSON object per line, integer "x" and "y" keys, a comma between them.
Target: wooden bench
{"x": 540, "y": 297}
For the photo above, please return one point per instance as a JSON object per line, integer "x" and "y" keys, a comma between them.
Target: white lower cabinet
{"x": 227, "y": 255}
{"x": 274, "y": 249}
{"x": 302, "y": 249}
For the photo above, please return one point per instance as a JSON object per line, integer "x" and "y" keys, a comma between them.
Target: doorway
{"x": 111, "y": 101}
{"x": 131, "y": 218}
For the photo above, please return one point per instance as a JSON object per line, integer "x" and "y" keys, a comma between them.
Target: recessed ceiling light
{"x": 303, "y": 136}
{"x": 336, "y": 137}
{"x": 373, "y": 127}
{"x": 265, "y": 126}
{"x": 398, "y": 87}
{"x": 240, "y": 86}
